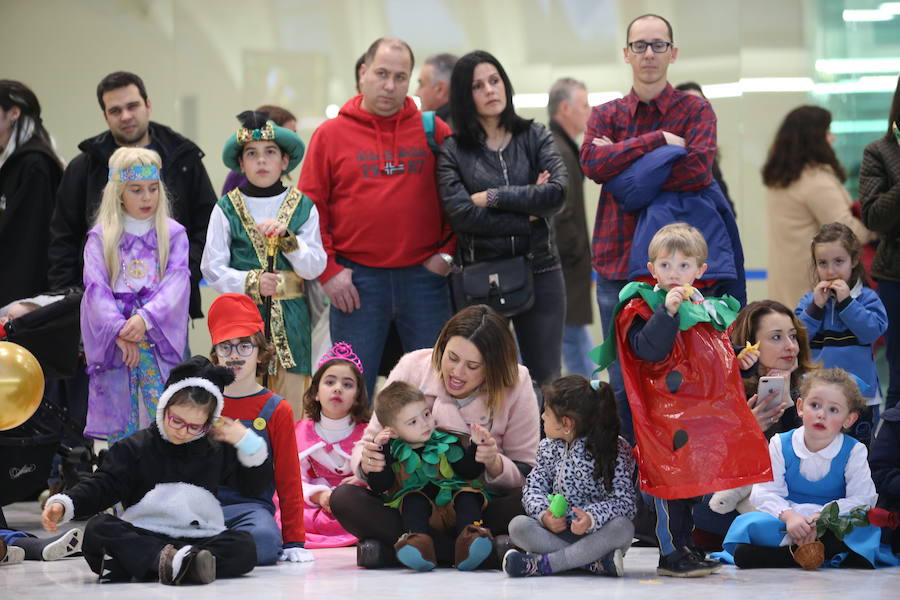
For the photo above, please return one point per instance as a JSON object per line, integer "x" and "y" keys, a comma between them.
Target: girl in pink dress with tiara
{"x": 337, "y": 409}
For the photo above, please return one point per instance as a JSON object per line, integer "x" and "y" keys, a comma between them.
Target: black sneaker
{"x": 610, "y": 565}
{"x": 521, "y": 564}
{"x": 683, "y": 563}
{"x": 372, "y": 554}
{"x": 701, "y": 556}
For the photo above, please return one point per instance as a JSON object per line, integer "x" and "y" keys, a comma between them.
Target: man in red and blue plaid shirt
{"x": 619, "y": 132}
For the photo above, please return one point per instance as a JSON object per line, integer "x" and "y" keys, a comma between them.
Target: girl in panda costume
{"x": 166, "y": 477}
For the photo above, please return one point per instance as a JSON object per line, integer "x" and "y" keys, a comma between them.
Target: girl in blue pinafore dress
{"x": 812, "y": 466}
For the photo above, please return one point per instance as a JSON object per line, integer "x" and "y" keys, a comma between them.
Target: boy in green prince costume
{"x": 241, "y": 225}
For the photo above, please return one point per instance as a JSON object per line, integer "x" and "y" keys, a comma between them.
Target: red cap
{"x": 233, "y": 316}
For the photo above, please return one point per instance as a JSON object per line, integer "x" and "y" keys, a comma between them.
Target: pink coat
{"x": 515, "y": 424}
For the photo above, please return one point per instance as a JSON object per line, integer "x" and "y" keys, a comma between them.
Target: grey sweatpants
{"x": 566, "y": 550}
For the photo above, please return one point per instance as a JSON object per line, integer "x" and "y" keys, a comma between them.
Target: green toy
{"x": 558, "y": 505}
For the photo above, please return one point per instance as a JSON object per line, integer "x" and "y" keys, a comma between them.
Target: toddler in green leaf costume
{"x": 431, "y": 477}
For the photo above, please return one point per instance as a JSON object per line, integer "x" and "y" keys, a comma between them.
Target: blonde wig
{"x": 110, "y": 215}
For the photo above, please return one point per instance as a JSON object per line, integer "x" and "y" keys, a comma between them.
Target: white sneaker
{"x": 67, "y": 545}
{"x": 14, "y": 555}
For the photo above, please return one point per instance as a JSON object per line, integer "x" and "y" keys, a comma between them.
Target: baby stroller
{"x": 52, "y": 334}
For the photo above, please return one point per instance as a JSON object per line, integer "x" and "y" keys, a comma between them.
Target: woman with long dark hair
{"x": 30, "y": 171}
{"x": 501, "y": 179}
{"x": 879, "y": 195}
{"x": 804, "y": 190}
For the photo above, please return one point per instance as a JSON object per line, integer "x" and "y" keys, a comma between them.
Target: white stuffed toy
{"x": 728, "y": 500}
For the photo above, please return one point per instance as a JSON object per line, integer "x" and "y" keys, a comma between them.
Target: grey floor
{"x": 334, "y": 575}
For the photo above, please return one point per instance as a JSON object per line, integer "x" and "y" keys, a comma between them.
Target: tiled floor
{"x": 334, "y": 575}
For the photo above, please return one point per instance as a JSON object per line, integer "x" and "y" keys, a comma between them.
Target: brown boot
{"x": 186, "y": 564}
{"x": 416, "y": 551}
{"x": 473, "y": 545}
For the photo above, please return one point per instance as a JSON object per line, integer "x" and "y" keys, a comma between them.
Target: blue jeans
{"x": 607, "y": 298}
{"x": 414, "y": 298}
{"x": 260, "y": 524}
{"x": 889, "y": 292}
{"x": 577, "y": 343}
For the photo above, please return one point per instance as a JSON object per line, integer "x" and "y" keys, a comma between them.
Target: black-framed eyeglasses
{"x": 224, "y": 349}
{"x": 640, "y": 46}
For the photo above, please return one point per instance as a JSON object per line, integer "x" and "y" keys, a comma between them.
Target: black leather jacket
{"x": 504, "y": 230}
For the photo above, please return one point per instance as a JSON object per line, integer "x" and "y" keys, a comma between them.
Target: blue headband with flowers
{"x": 135, "y": 173}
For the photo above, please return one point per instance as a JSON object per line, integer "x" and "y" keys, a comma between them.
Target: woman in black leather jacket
{"x": 501, "y": 180}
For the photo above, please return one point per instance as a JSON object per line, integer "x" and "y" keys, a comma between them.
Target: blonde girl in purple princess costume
{"x": 136, "y": 289}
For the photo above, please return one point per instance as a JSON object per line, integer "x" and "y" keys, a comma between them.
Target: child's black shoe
{"x": 683, "y": 563}
{"x": 523, "y": 564}
{"x": 611, "y": 565}
{"x": 701, "y": 556}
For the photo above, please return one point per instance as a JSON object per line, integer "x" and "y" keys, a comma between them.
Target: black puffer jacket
{"x": 190, "y": 192}
{"x": 504, "y": 230}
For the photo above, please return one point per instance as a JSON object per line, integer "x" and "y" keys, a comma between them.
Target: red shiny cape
{"x": 695, "y": 433}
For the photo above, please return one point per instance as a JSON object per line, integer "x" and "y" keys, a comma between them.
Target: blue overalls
{"x": 256, "y": 515}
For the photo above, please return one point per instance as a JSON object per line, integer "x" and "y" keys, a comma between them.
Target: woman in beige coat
{"x": 804, "y": 190}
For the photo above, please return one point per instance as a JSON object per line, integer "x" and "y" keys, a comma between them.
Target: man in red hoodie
{"x": 370, "y": 172}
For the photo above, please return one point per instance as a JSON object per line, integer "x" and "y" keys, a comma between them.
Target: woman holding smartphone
{"x": 783, "y": 352}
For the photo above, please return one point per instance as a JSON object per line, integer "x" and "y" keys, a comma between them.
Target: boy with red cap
{"x": 239, "y": 343}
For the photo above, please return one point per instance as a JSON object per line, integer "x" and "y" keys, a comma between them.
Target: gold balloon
{"x": 21, "y": 385}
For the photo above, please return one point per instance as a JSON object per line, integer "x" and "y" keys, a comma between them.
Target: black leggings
{"x": 363, "y": 514}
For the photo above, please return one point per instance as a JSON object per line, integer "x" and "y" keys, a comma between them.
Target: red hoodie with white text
{"x": 373, "y": 182}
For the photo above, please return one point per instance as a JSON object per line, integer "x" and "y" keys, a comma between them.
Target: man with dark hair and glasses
{"x": 652, "y": 115}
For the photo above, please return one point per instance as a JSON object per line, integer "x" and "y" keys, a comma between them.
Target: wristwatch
{"x": 447, "y": 259}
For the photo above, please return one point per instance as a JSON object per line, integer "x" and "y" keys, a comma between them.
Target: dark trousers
{"x": 539, "y": 331}
{"x": 417, "y": 508}
{"x": 674, "y": 524}
{"x": 889, "y": 292}
{"x": 363, "y": 514}
{"x": 137, "y": 550}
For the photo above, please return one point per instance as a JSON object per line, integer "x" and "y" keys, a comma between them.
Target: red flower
{"x": 883, "y": 518}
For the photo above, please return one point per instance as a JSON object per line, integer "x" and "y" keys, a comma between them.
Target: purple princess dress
{"x": 123, "y": 400}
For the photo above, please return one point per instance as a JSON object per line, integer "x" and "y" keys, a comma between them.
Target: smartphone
{"x": 766, "y": 386}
